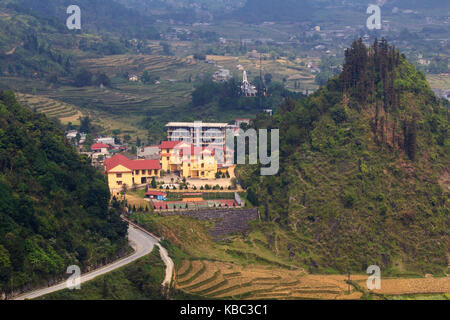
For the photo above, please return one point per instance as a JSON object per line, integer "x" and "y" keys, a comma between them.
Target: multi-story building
{"x": 203, "y": 134}
{"x": 198, "y": 133}
{"x": 188, "y": 160}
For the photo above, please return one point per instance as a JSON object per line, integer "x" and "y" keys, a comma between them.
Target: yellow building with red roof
{"x": 123, "y": 171}
{"x": 190, "y": 161}
{"x": 175, "y": 157}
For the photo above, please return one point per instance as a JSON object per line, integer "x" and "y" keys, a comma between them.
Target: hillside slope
{"x": 364, "y": 170}
{"x": 53, "y": 205}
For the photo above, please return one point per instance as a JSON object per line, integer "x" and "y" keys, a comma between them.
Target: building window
{"x": 119, "y": 175}
{"x": 119, "y": 183}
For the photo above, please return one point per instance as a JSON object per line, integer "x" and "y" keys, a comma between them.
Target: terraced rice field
{"x": 66, "y": 112}
{"x": 137, "y": 63}
{"x": 280, "y": 69}
{"x": 54, "y": 109}
{"x": 413, "y": 286}
{"x": 220, "y": 280}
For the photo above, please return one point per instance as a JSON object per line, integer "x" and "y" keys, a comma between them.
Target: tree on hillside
{"x": 268, "y": 78}
{"x": 102, "y": 79}
{"x": 85, "y": 124}
{"x": 83, "y": 78}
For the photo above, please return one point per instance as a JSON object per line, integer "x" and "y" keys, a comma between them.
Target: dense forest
{"x": 54, "y": 207}
{"x": 362, "y": 168}
{"x": 140, "y": 280}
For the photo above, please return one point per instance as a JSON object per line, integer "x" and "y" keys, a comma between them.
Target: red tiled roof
{"x": 115, "y": 161}
{"x": 198, "y": 150}
{"x": 119, "y": 159}
{"x": 143, "y": 164}
{"x": 155, "y": 193}
{"x": 169, "y": 144}
{"x": 99, "y": 146}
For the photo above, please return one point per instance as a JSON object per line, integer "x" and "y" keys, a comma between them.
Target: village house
{"x": 100, "y": 148}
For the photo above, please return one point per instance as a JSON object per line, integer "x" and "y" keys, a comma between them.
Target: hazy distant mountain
{"x": 281, "y": 10}
{"x": 96, "y": 15}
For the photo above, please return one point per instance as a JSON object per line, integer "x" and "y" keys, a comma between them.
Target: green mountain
{"x": 97, "y": 16}
{"x": 364, "y": 171}
{"x": 54, "y": 207}
{"x": 35, "y": 42}
{"x": 27, "y": 45}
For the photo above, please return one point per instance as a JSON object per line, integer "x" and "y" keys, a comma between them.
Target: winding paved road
{"x": 141, "y": 241}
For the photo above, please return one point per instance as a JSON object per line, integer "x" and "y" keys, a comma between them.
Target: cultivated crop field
{"x": 64, "y": 112}
{"x": 282, "y": 70}
{"x": 413, "y": 286}
{"x": 174, "y": 88}
{"x": 223, "y": 280}
{"x": 69, "y": 113}
{"x": 439, "y": 81}
{"x": 156, "y": 64}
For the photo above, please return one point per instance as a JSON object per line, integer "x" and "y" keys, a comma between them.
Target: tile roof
{"x": 169, "y": 144}
{"x": 119, "y": 159}
{"x": 98, "y": 146}
{"x": 156, "y": 193}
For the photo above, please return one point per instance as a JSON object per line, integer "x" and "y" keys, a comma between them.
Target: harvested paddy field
{"x": 223, "y": 280}
{"x": 64, "y": 112}
{"x": 412, "y": 286}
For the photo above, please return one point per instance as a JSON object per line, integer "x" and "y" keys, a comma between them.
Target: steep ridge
{"x": 54, "y": 207}
{"x": 360, "y": 166}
